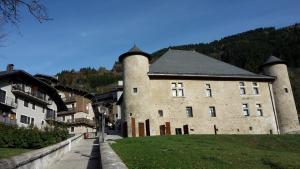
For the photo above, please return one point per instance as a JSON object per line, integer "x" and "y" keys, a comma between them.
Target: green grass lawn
{"x": 209, "y": 151}
{"x": 9, "y": 152}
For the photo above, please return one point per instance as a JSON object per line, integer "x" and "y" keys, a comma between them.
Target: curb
{"x": 109, "y": 159}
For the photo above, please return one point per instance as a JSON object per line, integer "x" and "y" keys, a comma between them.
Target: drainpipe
{"x": 273, "y": 106}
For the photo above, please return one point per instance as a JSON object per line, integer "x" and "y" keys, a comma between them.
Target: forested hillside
{"x": 247, "y": 50}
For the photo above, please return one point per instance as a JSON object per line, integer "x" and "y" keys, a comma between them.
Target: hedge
{"x": 31, "y": 137}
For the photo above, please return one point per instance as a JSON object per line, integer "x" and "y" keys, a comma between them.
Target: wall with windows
{"x": 206, "y": 107}
{"x": 27, "y": 111}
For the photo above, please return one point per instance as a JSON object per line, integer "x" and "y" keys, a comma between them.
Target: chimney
{"x": 10, "y": 68}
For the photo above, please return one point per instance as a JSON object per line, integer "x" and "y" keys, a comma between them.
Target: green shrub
{"x": 31, "y": 137}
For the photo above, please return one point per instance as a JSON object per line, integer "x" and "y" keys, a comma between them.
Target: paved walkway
{"x": 84, "y": 155}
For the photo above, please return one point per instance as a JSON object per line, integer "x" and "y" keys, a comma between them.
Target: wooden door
{"x": 147, "y": 127}
{"x": 185, "y": 129}
{"x": 168, "y": 128}
{"x": 125, "y": 129}
{"x": 141, "y": 130}
{"x": 162, "y": 130}
{"x": 133, "y": 127}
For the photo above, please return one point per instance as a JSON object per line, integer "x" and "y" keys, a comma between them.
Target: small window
{"x": 259, "y": 111}
{"x": 208, "y": 90}
{"x": 212, "y": 111}
{"x": 32, "y": 121}
{"x": 255, "y": 88}
{"x": 42, "y": 122}
{"x": 189, "y": 111}
{"x": 130, "y": 114}
{"x": 286, "y": 90}
{"x": 250, "y": 128}
{"x": 160, "y": 113}
{"x": 180, "y": 92}
{"x": 33, "y": 106}
{"x": 178, "y": 131}
{"x": 23, "y": 119}
{"x": 245, "y": 110}
{"x": 174, "y": 92}
{"x": 72, "y": 129}
{"x": 64, "y": 118}
{"x": 26, "y": 103}
{"x": 16, "y": 100}
{"x": 242, "y": 88}
{"x": 135, "y": 90}
{"x": 43, "y": 109}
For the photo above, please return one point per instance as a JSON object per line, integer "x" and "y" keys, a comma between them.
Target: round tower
{"x": 136, "y": 90}
{"x": 283, "y": 95}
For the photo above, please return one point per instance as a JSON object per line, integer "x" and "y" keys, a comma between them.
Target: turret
{"x": 283, "y": 95}
{"x": 136, "y": 88}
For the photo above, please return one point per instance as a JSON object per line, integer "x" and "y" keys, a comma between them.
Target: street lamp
{"x": 102, "y": 112}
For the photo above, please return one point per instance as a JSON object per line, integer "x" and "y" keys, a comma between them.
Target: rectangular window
{"x": 23, "y": 119}
{"x": 26, "y": 103}
{"x": 33, "y": 106}
{"x": 160, "y": 113}
{"x": 177, "y": 89}
{"x": 208, "y": 90}
{"x": 135, "y": 90}
{"x": 16, "y": 100}
{"x": 32, "y": 121}
{"x": 189, "y": 111}
{"x": 242, "y": 88}
{"x": 259, "y": 111}
{"x": 212, "y": 111}
{"x": 255, "y": 88}
{"x": 245, "y": 110}
{"x": 72, "y": 129}
{"x": 178, "y": 131}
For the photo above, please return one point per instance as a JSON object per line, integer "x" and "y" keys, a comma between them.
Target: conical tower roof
{"x": 273, "y": 60}
{"x": 134, "y": 51}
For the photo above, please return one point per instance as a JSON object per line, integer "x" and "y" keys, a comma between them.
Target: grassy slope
{"x": 9, "y": 152}
{"x": 207, "y": 151}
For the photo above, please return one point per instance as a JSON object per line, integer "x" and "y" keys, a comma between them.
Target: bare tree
{"x": 10, "y": 11}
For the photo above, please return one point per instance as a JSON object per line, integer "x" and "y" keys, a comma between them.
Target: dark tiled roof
{"x": 273, "y": 60}
{"x": 134, "y": 51}
{"x": 192, "y": 63}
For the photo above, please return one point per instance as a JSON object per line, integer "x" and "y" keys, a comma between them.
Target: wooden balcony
{"x": 31, "y": 95}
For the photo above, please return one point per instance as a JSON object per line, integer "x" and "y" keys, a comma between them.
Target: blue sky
{"x": 95, "y": 32}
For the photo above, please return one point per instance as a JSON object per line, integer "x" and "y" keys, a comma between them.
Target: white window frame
{"x": 212, "y": 111}
{"x": 259, "y": 109}
{"x": 191, "y": 112}
{"x": 208, "y": 91}
{"x": 242, "y": 87}
{"x": 245, "y": 107}
{"x": 176, "y": 89}
{"x": 255, "y": 87}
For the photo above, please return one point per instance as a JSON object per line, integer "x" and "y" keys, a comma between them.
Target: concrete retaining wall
{"x": 41, "y": 158}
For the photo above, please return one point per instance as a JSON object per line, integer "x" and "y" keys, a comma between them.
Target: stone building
{"x": 185, "y": 92}
{"x": 25, "y": 100}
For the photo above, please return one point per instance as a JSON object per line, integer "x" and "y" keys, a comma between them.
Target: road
{"x": 84, "y": 155}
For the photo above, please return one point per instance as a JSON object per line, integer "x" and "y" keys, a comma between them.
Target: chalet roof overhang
{"x": 22, "y": 76}
{"x": 79, "y": 92}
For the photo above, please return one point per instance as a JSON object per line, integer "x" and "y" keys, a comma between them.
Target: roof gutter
{"x": 202, "y": 76}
